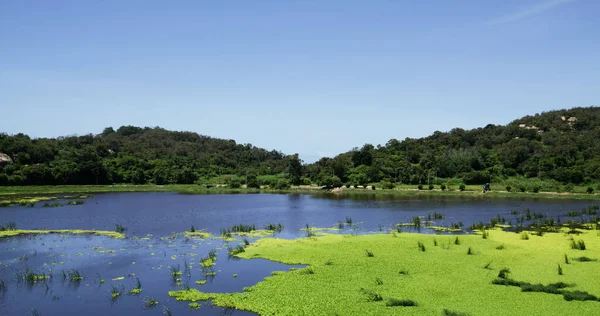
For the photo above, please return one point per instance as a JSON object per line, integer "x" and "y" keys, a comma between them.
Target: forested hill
{"x": 561, "y": 145}
{"x": 130, "y": 155}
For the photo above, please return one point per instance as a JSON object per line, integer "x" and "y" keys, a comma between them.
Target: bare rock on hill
{"x": 5, "y": 159}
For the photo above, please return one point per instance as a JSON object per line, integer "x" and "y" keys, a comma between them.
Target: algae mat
{"x": 444, "y": 279}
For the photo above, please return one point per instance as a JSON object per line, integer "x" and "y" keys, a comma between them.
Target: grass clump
{"x": 235, "y": 250}
{"x": 115, "y": 292}
{"x": 378, "y": 281}
{"x": 8, "y": 226}
{"x": 560, "y": 270}
{"x": 274, "y": 227}
{"x": 137, "y": 289}
{"x": 578, "y": 245}
{"x": 524, "y": 236}
{"x": 371, "y": 296}
{"x": 503, "y": 273}
{"x": 120, "y": 228}
{"x": 393, "y": 302}
{"x": 421, "y": 246}
{"x": 369, "y": 253}
{"x": 457, "y": 241}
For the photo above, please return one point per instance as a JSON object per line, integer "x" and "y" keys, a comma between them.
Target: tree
{"x": 295, "y": 169}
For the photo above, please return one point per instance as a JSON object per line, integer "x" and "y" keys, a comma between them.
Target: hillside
{"x": 560, "y": 146}
{"x": 130, "y": 155}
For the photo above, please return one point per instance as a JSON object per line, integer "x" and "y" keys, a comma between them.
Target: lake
{"x": 156, "y": 246}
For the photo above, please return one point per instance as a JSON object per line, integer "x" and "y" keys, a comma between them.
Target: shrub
{"x": 508, "y": 188}
{"x": 282, "y": 184}
{"x": 234, "y": 183}
{"x": 420, "y": 187}
{"x": 443, "y": 187}
{"x": 387, "y": 185}
{"x": 373, "y": 187}
{"x": 590, "y": 190}
{"x": 431, "y": 187}
{"x": 306, "y": 181}
{"x": 461, "y": 187}
{"x": 522, "y": 189}
{"x": 253, "y": 183}
{"x": 569, "y": 188}
{"x": 536, "y": 189}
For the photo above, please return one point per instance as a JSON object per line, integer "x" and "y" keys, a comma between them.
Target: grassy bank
{"x": 7, "y": 191}
{"x": 415, "y": 274}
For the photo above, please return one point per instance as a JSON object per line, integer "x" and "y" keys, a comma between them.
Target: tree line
{"x": 562, "y": 146}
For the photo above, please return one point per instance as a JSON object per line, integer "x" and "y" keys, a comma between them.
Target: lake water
{"x": 154, "y": 223}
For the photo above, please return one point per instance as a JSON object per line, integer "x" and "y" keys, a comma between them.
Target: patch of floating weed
{"x": 17, "y": 232}
{"x": 194, "y": 305}
{"x": 76, "y": 202}
{"x": 201, "y": 282}
{"x": 55, "y": 204}
{"x": 235, "y": 250}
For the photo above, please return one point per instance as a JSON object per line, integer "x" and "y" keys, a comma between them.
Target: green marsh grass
{"x": 115, "y": 292}
{"x": 274, "y": 227}
{"x": 579, "y": 244}
{"x": 137, "y": 288}
{"x": 560, "y": 270}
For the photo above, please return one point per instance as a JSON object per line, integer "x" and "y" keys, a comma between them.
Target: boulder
{"x": 5, "y": 159}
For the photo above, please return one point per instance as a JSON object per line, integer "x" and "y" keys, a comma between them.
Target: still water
{"x": 154, "y": 243}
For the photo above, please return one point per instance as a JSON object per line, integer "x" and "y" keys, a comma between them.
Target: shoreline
{"x": 8, "y": 192}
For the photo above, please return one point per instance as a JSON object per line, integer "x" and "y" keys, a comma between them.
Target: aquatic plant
{"x": 3, "y": 287}
{"x": 242, "y": 228}
{"x": 396, "y": 302}
{"x": 470, "y": 251}
{"x": 560, "y": 270}
{"x": 137, "y": 289}
{"x": 421, "y": 246}
{"x": 192, "y": 229}
{"x": 167, "y": 311}
{"x": 435, "y": 242}
{"x": 369, "y": 253}
{"x": 371, "y": 296}
{"x": 348, "y": 220}
{"x": 566, "y": 259}
{"x": 8, "y": 226}
{"x": 235, "y": 250}
{"x": 194, "y": 305}
{"x": 55, "y": 204}
{"x": 578, "y": 245}
{"x": 274, "y": 227}
{"x": 485, "y": 234}
{"x": 246, "y": 241}
{"x": 403, "y": 272}
{"x": 524, "y": 236}
{"x": 501, "y": 247}
{"x": 503, "y": 273}
{"x": 175, "y": 270}
{"x": 35, "y": 312}
{"x": 72, "y": 275}
{"x": 115, "y": 292}
{"x": 201, "y": 282}
{"x": 340, "y": 225}
{"x": 308, "y": 270}
{"x": 378, "y": 281}
{"x": 120, "y": 228}
{"x": 487, "y": 266}
{"x": 435, "y": 215}
{"x": 30, "y": 277}
{"x": 226, "y": 233}
{"x": 448, "y": 312}
{"x": 150, "y": 302}
{"x": 76, "y": 202}
{"x": 416, "y": 220}
{"x": 457, "y": 241}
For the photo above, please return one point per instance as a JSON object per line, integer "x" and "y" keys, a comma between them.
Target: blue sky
{"x": 315, "y": 77}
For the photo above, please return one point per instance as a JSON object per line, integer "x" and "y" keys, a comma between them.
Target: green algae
{"x": 18, "y": 232}
{"x": 441, "y": 279}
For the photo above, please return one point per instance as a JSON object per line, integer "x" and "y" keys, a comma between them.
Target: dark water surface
{"x": 151, "y": 248}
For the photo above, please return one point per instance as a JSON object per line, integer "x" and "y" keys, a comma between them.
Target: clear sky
{"x": 315, "y": 77}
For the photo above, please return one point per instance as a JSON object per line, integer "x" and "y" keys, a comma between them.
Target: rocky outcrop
{"x": 5, "y": 159}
